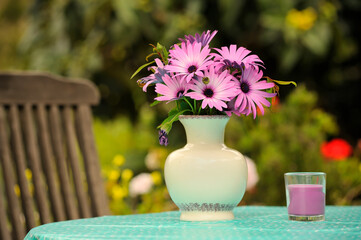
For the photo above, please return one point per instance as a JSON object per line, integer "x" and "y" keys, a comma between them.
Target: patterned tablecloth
{"x": 251, "y": 222}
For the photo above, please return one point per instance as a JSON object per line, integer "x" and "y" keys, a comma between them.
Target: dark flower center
{"x": 208, "y": 92}
{"x": 227, "y": 62}
{"x": 192, "y": 69}
{"x": 245, "y": 87}
{"x": 180, "y": 93}
{"x": 235, "y": 65}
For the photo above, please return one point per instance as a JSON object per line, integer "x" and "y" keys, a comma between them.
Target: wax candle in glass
{"x": 306, "y": 195}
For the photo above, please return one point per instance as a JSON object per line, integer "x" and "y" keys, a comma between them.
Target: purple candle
{"x": 306, "y": 199}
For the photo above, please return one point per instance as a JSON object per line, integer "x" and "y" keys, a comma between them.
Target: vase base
{"x": 206, "y": 216}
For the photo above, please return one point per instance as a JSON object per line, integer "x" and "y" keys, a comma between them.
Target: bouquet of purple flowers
{"x": 207, "y": 81}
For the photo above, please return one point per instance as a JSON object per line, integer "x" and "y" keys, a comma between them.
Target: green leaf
{"x": 162, "y": 52}
{"x": 173, "y": 116}
{"x": 154, "y": 103}
{"x": 173, "y": 111}
{"x": 160, "y": 47}
{"x": 285, "y": 82}
{"x": 141, "y": 67}
{"x": 281, "y": 82}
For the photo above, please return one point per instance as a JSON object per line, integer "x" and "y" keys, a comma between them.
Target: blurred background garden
{"x": 313, "y": 127}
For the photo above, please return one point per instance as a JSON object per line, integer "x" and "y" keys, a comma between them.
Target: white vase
{"x": 205, "y": 178}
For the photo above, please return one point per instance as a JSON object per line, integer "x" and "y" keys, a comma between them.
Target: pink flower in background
{"x": 233, "y": 58}
{"x": 173, "y": 88}
{"x": 189, "y": 60}
{"x": 204, "y": 39}
{"x": 250, "y": 93}
{"x": 252, "y": 174}
{"x": 213, "y": 89}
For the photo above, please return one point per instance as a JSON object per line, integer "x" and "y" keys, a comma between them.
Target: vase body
{"x": 205, "y": 178}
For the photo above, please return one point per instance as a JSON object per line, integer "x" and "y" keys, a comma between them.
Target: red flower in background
{"x": 336, "y": 150}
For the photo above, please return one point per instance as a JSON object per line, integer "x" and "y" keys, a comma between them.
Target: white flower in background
{"x": 252, "y": 174}
{"x": 140, "y": 184}
{"x": 151, "y": 160}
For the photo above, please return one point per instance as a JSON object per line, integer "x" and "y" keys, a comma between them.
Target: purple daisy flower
{"x": 156, "y": 77}
{"x": 214, "y": 89}
{"x": 189, "y": 60}
{"x": 232, "y": 109}
{"x": 204, "y": 39}
{"x": 234, "y": 58}
{"x": 250, "y": 93}
{"x": 173, "y": 88}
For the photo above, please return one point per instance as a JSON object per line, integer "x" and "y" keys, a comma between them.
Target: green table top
{"x": 251, "y": 222}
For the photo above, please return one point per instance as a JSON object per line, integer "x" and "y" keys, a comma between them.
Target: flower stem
{"x": 199, "y": 109}
{"x": 185, "y": 99}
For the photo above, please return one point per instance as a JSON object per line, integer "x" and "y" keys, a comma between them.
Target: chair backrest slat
{"x": 57, "y": 140}
{"x": 48, "y": 152}
{"x": 48, "y": 163}
{"x": 71, "y": 146}
{"x": 4, "y": 231}
{"x": 83, "y": 122}
{"x": 33, "y": 155}
{"x": 19, "y": 158}
{"x": 13, "y": 207}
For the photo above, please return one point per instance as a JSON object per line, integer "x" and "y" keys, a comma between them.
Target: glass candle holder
{"x": 306, "y": 195}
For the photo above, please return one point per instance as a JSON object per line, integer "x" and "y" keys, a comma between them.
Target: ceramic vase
{"x": 205, "y": 178}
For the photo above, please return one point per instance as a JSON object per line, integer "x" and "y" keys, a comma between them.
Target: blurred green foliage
{"x": 315, "y": 42}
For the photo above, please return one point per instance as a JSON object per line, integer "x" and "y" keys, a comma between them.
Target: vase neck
{"x": 204, "y": 129}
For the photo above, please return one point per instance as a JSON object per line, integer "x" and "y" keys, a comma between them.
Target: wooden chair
{"x": 49, "y": 165}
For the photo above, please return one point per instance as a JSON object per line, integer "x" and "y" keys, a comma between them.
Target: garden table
{"x": 251, "y": 222}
